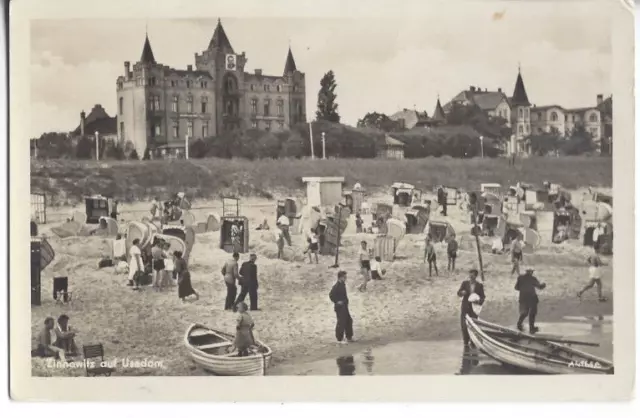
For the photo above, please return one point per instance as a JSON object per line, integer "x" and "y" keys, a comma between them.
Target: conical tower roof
{"x": 290, "y": 65}
{"x": 147, "y": 53}
{"x": 519, "y": 93}
{"x": 438, "y": 113}
{"x": 220, "y": 39}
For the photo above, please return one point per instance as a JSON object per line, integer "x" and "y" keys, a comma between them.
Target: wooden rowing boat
{"x": 213, "y": 350}
{"x": 540, "y": 354}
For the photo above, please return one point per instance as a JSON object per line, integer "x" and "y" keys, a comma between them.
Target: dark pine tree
{"x": 327, "y": 106}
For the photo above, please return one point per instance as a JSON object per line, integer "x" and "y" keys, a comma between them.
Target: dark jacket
{"x": 249, "y": 273}
{"x": 527, "y": 285}
{"x": 339, "y": 293}
{"x": 465, "y": 305}
{"x": 452, "y": 246}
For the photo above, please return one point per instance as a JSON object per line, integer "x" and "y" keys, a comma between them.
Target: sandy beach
{"x": 296, "y": 318}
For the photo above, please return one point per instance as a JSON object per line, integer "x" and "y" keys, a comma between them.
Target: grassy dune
{"x": 66, "y": 181}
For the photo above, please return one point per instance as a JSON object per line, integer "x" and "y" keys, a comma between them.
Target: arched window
{"x": 593, "y": 117}
{"x": 520, "y": 113}
{"x": 520, "y": 127}
{"x": 554, "y": 116}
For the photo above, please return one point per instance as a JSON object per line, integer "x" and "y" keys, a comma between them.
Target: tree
{"x": 113, "y": 150}
{"x": 134, "y": 155}
{"x": 327, "y": 106}
{"x": 486, "y": 125}
{"x": 546, "y": 143}
{"x": 198, "y": 149}
{"x": 53, "y": 145}
{"x": 84, "y": 149}
{"x": 580, "y": 141}
{"x": 379, "y": 121}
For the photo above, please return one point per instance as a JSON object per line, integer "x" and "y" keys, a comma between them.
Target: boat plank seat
{"x": 214, "y": 345}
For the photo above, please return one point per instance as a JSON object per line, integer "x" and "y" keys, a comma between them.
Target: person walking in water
{"x": 528, "y": 300}
{"x": 430, "y": 255}
{"x": 344, "y": 322}
{"x": 467, "y": 288}
{"x": 595, "y": 276}
{"x": 452, "y": 253}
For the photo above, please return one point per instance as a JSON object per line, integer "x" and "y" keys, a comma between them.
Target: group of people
{"x": 64, "y": 344}
{"x": 170, "y": 210}
{"x": 431, "y": 257}
{"x": 164, "y": 267}
{"x": 246, "y": 276}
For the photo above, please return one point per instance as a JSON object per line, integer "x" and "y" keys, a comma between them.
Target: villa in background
{"x": 159, "y": 107}
{"x": 390, "y": 148}
{"x": 97, "y": 121}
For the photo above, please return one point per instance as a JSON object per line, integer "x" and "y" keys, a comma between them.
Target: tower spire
{"x": 147, "y": 53}
{"x": 220, "y": 38}
{"x": 290, "y": 64}
{"x": 520, "y": 97}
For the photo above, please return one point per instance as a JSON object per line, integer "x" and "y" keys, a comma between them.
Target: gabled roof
{"x": 519, "y": 93}
{"x": 488, "y": 100}
{"x": 98, "y": 120}
{"x": 220, "y": 39}
{"x": 290, "y": 64}
{"x": 147, "y": 53}
{"x": 392, "y": 142}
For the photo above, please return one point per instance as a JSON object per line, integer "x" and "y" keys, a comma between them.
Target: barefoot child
{"x": 312, "y": 249}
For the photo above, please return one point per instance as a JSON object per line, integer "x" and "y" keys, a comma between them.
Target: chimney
{"x": 599, "y": 99}
{"x": 189, "y": 67}
{"x": 471, "y": 88}
{"x": 499, "y": 89}
{"x": 486, "y": 89}
{"x": 258, "y": 71}
{"x": 82, "y": 118}
{"x": 127, "y": 70}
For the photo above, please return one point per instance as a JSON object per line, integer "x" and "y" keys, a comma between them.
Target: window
{"x": 554, "y": 116}
{"x": 174, "y": 127}
{"x": 157, "y": 128}
{"x": 230, "y": 85}
{"x": 205, "y": 129}
{"x": 156, "y": 102}
{"x": 520, "y": 129}
{"x": 190, "y": 128}
{"x": 267, "y": 126}
{"x": 278, "y": 88}
{"x": 152, "y": 81}
{"x": 280, "y": 107}
{"x": 593, "y": 117}
{"x": 299, "y": 108}
{"x": 252, "y": 87}
{"x": 267, "y": 87}
{"x": 267, "y": 105}
{"x": 173, "y": 83}
{"x": 122, "y": 131}
{"x": 520, "y": 113}
{"x": 254, "y": 124}
{"x": 254, "y": 106}
{"x": 189, "y": 83}
{"x": 526, "y": 113}
{"x": 526, "y": 129}
{"x": 174, "y": 104}
{"x": 189, "y": 104}
{"x": 203, "y": 104}
{"x": 120, "y": 105}
{"x": 203, "y": 84}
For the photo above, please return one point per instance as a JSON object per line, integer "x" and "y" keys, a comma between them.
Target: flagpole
{"x": 186, "y": 146}
{"x": 311, "y": 140}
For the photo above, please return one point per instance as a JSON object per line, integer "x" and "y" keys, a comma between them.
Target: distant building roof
{"x": 520, "y": 97}
{"x": 392, "y": 142}
{"x": 290, "y": 64}
{"x": 147, "y": 53}
{"x": 484, "y": 99}
{"x": 438, "y": 113}
{"x": 98, "y": 120}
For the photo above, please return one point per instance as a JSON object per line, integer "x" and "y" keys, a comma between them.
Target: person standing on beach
{"x": 279, "y": 242}
{"x": 231, "y": 275}
{"x": 136, "y": 267}
{"x": 283, "y": 224}
{"x": 430, "y": 255}
{"x": 359, "y": 223}
{"x": 157, "y": 264}
{"x": 365, "y": 265}
{"x": 452, "y": 253}
{"x": 516, "y": 255}
{"x": 313, "y": 245}
{"x": 528, "y": 300}
{"x": 249, "y": 282}
{"x": 467, "y": 288}
{"x": 338, "y": 295}
{"x": 595, "y": 277}
{"x": 185, "y": 289}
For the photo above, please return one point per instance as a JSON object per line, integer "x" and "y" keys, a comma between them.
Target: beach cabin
{"x": 230, "y": 206}
{"x": 38, "y": 208}
{"x": 323, "y": 191}
{"x": 495, "y": 188}
{"x": 567, "y": 224}
{"x": 385, "y": 248}
{"x": 381, "y": 211}
{"x": 353, "y": 200}
{"x": 329, "y": 232}
{"x": 98, "y": 206}
{"x": 491, "y": 203}
{"x": 226, "y": 243}
{"x": 417, "y": 218}
{"x": 440, "y": 231}
{"x": 537, "y": 199}
{"x": 186, "y": 234}
{"x": 404, "y": 194}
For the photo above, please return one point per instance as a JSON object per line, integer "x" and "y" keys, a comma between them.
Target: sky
{"x": 380, "y": 64}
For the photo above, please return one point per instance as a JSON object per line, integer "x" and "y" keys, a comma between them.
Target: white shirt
{"x": 596, "y": 234}
{"x": 283, "y": 220}
{"x": 497, "y": 244}
{"x": 375, "y": 266}
{"x": 313, "y": 238}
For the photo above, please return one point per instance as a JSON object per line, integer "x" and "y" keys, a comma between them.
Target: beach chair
{"x": 61, "y": 292}
{"x": 95, "y": 351}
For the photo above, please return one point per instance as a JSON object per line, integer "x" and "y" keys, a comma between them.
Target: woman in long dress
{"x": 184, "y": 277}
{"x": 244, "y": 331}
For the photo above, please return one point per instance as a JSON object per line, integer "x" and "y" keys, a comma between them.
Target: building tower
{"x": 295, "y": 86}
{"x": 520, "y": 110}
{"x": 438, "y": 117}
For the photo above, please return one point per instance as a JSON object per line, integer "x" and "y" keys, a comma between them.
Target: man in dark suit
{"x": 249, "y": 283}
{"x": 528, "y": 300}
{"x": 467, "y": 288}
{"x": 338, "y": 295}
